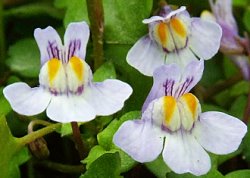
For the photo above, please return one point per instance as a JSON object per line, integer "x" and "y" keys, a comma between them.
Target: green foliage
{"x": 239, "y": 174}
{"x": 158, "y": 167}
{"x": 106, "y": 166}
{"x": 24, "y": 58}
{"x": 11, "y": 154}
{"x": 123, "y": 23}
{"x": 106, "y": 71}
{"x": 34, "y": 9}
{"x": 75, "y": 10}
{"x": 246, "y": 145}
{"x": 122, "y": 28}
{"x": 5, "y": 106}
{"x": 211, "y": 174}
{"x": 246, "y": 18}
{"x": 105, "y": 140}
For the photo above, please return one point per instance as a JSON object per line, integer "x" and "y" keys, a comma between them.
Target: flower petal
{"x": 183, "y": 154}
{"x": 152, "y": 19}
{"x": 191, "y": 76}
{"x": 219, "y": 133}
{"x": 25, "y": 100}
{"x": 138, "y": 140}
{"x": 108, "y": 97}
{"x": 205, "y": 38}
{"x": 171, "y": 80}
{"x": 146, "y": 56}
{"x": 70, "y": 108}
{"x": 75, "y": 39}
{"x": 49, "y": 43}
{"x": 165, "y": 79}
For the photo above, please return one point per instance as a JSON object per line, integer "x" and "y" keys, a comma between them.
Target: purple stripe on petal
{"x": 74, "y": 47}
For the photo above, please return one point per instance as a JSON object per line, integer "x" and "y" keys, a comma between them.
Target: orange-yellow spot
{"x": 179, "y": 27}
{"x": 169, "y": 104}
{"x": 53, "y": 68}
{"x": 162, "y": 32}
{"x": 191, "y": 102}
{"x": 77, "y": 66}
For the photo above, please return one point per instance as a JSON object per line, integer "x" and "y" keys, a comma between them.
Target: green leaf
{"x": 34, "y": 9}
{"x": 211, "y": 174}
{"x": 238, "y": 107}
{"x": 106, "y": 136}
{"x": 158, "y": 167}
{"x": 11, "y": 154}
{"x": 106, "y": 71}
{"x": 246, "y": 18}
{"x": 246, "y": 145}
{"x": 209, "y": 107}
{"x": 239, "y": 174}
{"x": 65, "y": 129}
{"x": 105, "y": 139}
{"x": 106, "y": 166}
{"x": 240, "y": 88}
{"x": 141, "y": 84}
{"x": 213, "y": 72}
{"x": 24, "y": 58}
{"x": 4, "y": 104}
{"x": 75, "y": 10}
{"x": 123, "y": 20}
{"x": 241, "y": 3}
{"x": 94, "y": 154}
{"x": 229, "y": 67}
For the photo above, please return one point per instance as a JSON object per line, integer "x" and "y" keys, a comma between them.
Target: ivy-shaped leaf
{"x": 106, "y": 71}
{"x": 11, "y": 153}
{"x": 106, "y": 166}
{"x": 24, "y": 58}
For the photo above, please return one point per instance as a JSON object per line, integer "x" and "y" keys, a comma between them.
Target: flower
{"x": 174, "y": 37}
{"x": 230, "y": 41}
{"x": 66, "y": 89}
{"x": 173, "y": 125}
{"x": 222, "y": 11}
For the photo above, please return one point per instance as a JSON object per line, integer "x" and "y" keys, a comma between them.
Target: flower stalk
{"x": 2, "y": 39}
{"x": 96, "y": 18}
{"x": 78, "y": 140}
{"x": 37, "y": 134}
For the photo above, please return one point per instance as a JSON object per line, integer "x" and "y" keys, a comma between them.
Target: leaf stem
{"x": 63, "y": 168}
{"x": 220, "y": 86}
{"x": 96, "y": 18}
{"x": 78, "y": 140}
{"x": 2, "y": 37}
{"x": 37, "y": 134}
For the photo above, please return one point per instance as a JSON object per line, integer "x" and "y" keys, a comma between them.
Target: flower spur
{"x": 66, "y": 89}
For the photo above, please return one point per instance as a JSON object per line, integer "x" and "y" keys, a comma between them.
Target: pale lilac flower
{"x": 174, "y": 37}
{"x": 173, "y": 125}
{"x": 66, "y": 90}
{"x": 223, "y": 15}
{"x": 222, "y": 11}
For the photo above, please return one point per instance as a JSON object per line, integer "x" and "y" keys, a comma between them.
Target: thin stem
{"x": 63, "y": 168}
{"x": 78, "y": 140}
{"x": 37, "y": 134}
{"x": 219, "y": 87}
{"x": 96, "y": 17}
{"x": 247, "y": 108}
{"x": 2, "y": 37}
{"x": 37, "y": 122}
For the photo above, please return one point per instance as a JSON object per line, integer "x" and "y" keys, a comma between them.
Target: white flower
{"x": 66, "y": 89}
{"x": 174, "y": 37}
{"x": 173, "y": 125}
